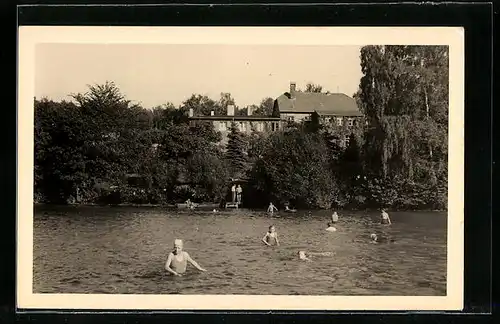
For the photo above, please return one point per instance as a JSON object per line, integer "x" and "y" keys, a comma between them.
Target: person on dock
{"x": 271, "y": 209}
{"x": 239, "y": 191}
{"x": 335, "y": 217}
{"x": 271, "y": 237}
{"x": 233, "y": 193}
{"x": 385, "y": 219}
{"x": 177, "y": 260}
{"x": 330, "y": 228}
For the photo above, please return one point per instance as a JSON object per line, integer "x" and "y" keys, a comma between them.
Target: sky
{"x": 154, "y": 74}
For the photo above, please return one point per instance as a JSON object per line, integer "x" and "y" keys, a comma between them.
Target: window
{"x": 339, "y": 121}
{"x": 350, "y": 122}
{"x": 291, "y": 118}
{"x": 347, "y": 139}
{"x": 274, "y": 126}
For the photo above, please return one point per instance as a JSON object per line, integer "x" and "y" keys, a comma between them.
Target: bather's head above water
{"x": 178, "y": 246}
{"x": 302, "y": 255}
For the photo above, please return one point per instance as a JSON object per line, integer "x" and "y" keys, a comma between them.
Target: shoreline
{"x": 174, "y": 206}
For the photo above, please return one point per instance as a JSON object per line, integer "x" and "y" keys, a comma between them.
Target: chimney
{"x": 249, "y": 111}
{"x": 292, "y": 89}
{"x": 191, "y": 112}
{"x": 230, "y": 110}
{"x": 212, "y": 113}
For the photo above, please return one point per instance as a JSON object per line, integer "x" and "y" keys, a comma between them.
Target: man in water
{"x": 384, "y": 217}
{"x": 177, "y": 260}
{"x": 335, "y": 217}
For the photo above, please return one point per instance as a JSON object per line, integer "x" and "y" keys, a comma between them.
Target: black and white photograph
{"x": 240, "y": 168}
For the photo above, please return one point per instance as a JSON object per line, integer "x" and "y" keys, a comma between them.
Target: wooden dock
{"x": 232, "y": 205}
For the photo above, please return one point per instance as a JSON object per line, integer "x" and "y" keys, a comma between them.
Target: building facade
{"x": 334, "y": 109}
{"x": 245, "y": 124}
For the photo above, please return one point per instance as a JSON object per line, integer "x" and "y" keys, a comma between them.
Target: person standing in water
{"x": 385, "y": 219}
{"x": 271, "y": 237}
{"x": 271, "y": 208}
{"x": 233, "y": 193}
{"x": 335, "y": 217}
{"x": 177, "y": 260}
{"x": 238, "y": 194}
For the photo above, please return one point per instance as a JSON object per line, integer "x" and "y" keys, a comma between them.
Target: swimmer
{"x": 271, "y": 237}
{"x": 271, "y": 208}
{"x": 214, "y": 211}
{"x": 177, "y": 260}
{"x": 335, "y": 217}
{"x": 303, "y": 255}
{"x": 376, "y": 239}
{"x": 330, "y": 228}
{"x": 385, "y": 219}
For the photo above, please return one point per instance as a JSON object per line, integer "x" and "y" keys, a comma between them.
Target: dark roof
{"x": 324, "y": 104}
{"x": 226, "y": 117}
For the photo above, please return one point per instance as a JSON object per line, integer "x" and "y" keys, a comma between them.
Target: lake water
{"x": 123, "y": 251}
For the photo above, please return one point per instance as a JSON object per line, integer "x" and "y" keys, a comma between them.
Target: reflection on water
{"x": 123, "y": 250}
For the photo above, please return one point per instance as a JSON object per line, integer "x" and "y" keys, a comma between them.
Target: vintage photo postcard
{"x": 196, "y": 168}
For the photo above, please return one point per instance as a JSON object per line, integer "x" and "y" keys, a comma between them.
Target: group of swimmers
{"x": 178, "y": 259}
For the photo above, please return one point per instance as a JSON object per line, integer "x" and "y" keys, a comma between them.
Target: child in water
{"x": 271, "y": 208}
{"x": 335, "y": 217}
{"x": 384, "y": 217}
{"x": 271, "y": 237}
{"x": 177, "y": 260}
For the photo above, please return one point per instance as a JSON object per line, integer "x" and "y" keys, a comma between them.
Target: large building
{"x": 245, "y": 124}
{"x": 336, "y": 109}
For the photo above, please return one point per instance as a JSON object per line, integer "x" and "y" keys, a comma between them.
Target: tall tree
{"x": 311, "y": 87}
{"x": 236, "y": 155}
{"x": 403, "y": 93}
{"x": 265, "y": 107}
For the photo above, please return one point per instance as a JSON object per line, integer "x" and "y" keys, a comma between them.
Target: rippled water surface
{"x": 123, "y": 250}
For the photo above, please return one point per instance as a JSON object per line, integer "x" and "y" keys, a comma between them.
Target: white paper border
{"x": 29, "y": 36}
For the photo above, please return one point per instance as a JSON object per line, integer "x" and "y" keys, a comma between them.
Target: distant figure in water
{"x": 384, "y": 217}
{"x": 380, "y": 239}
{"x": 330, "y": 228}
{"x": 304, "y": 255}
{"x": 335, "y": 217}
{"x": 214, "y": 211}
{"x": 271, "y": 237}
{"x": 177, "y": 260}
{"x": 271, "y": 208}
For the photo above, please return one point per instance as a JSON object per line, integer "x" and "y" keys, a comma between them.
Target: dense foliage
{"x": 101, "y": 148}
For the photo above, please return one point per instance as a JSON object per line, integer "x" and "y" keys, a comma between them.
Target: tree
{"x": 403, "y": 93}
{"x": 294, "y": 167}
{"x": 236, "y": 156}
{"x": 311, "y": 87}
{"x": 265, "y": 107}
{"x": 202, "y": 105}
